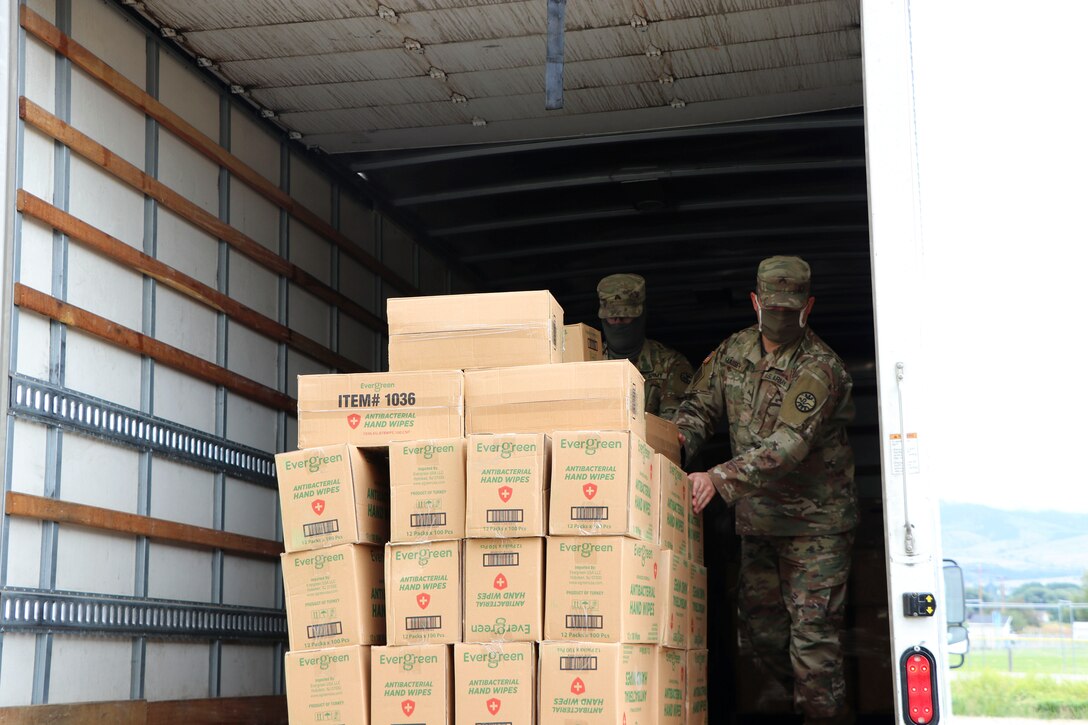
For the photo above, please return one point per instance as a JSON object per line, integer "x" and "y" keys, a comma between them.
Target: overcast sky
{"x": 1003, "y": 156}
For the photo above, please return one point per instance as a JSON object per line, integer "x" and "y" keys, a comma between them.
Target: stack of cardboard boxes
{"x": 537, "y": 560}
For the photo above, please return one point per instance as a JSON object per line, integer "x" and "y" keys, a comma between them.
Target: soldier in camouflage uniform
{"x": 623, "y": 320}
{"x": 786, "y": 396}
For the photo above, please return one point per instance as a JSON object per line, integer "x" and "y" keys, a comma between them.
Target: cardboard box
{"x": 504, "y": 590}
{"x": 332, "y": 495}
{"x": 496, "y": 683}
{"x": 497, "y": 329}
{"x": 671, "y": 685}
{"x": 427, "y": 490}
{"x": 602, "y": 483}
{"x": 582, "y": 343}
{"x": 664, "y": 437}
{"x": 411, "y": 685}
{"x": 697, "y": 607}
{"x": 602, "y": 589}
{"x": 371, "y": 410}
{"x": 328, "y": 685}
{"x": 597, "y": 684}
{"x": 695, "y": 699}
{"x": 507, "y": 481}
{"x": 423, "y": 582}
{"x": 695, "y": 534}
{"x": 600, "y": 395}
{"x": 674, "y": 490}
{"x": 675, "y": 576}
{"x": 335, "y": 597}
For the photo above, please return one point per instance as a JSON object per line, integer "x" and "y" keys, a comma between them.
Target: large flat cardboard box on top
{"x": 695, "y": 698}
{"x": 602, "y": 484}
{"x": 602, "y": 589}
{"x": 599, "y": 395}
{"x": 423, "y": 582}
{"x": 697, "y": 607}
{"x": 504, "y": 590}
{"x": 328, "y": 685}
{"x": 427, "y": 490}
{"x": 507, "y": 482}
{"x": 671, "y": 685}
{"x": 411, "y": 685}
{"x": 675, "y": 576}
{"x": 495, "y": 683}
{"x": 335, "y": 597}
{"x": 332, "y": 495}
{"x": 497, "y": 329}
{"x": 674, "y": 491}
{"x": 664, "y": 437}
{"x": 585, "y": 683}
{"x": 371, "y": 410}
{"x": 582, "y": 343}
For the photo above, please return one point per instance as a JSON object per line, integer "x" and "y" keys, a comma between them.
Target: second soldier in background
{"x": 623, "y": 322}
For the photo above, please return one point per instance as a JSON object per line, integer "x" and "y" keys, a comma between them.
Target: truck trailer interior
{"x": 693, "y": 139}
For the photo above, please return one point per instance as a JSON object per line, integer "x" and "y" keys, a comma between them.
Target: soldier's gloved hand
{"x": 702, "y": 490}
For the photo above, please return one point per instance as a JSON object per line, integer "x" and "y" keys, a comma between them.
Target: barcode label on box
{"x": 512, "y": 559}
{"x": 415, "y": 624}
{"x": 423, "y": 520}
{"x": 321, "y": 528}
{"x": 329, "y": 629}
{"x": 581, "y": 662}
{"x": 505, "y": 516}
{"x": 589, "y": 513}
{"x": 585, "y": 621}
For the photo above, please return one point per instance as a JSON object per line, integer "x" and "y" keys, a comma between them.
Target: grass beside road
{"x": 1029, "y": 660}
{"x": 999, "y": 694}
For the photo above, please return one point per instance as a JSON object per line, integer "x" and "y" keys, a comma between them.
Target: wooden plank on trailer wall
{"x": 129, "y": 91}
{"x": 132, "y": 258}
{"x": 261, "y": 710}
{"x": 112, "y": 713}
{"x": 67, "y": 512}
{"x": 136, "y": 342}
{"x": 104, "y": 158}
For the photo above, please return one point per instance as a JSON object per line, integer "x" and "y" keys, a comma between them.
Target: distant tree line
{"x": 1039, "y": 593}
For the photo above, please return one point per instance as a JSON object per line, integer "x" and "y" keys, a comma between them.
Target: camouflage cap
{"x": 783, "y": 282}
{"x": 622, "y": 295}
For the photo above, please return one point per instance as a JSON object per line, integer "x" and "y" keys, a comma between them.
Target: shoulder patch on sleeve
{"x": 685, "y": 377}
{"x": 806, "y": 396}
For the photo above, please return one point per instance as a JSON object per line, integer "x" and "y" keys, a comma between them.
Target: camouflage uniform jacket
{"x": 793, "y": 469}
{"x": 667, "y": 375}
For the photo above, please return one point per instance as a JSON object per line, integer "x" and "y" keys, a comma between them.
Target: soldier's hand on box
{"x": 702, "y": 490}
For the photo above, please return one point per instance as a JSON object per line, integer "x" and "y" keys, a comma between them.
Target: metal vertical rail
{"x": 147, "y": 365}
{"x": 10, "y": 326}
{"x": 282, "y": 444}
{"x": 47, "y": 575}
{"x": 379, "y": 291}
{"x": 215, "y": 664}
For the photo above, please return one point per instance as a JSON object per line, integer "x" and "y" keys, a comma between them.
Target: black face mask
{"x": 625, "y": 340}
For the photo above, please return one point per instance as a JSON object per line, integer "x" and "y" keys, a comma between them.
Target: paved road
{"x": 963, "y": 720}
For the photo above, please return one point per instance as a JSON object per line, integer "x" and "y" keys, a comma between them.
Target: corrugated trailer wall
{"x": 176, "y": 262}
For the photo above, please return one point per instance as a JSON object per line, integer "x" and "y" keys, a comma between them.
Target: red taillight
{"x": 919, "y": 677}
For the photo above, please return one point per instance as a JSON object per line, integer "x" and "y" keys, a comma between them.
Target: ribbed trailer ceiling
{"x": 366, "y": 75}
